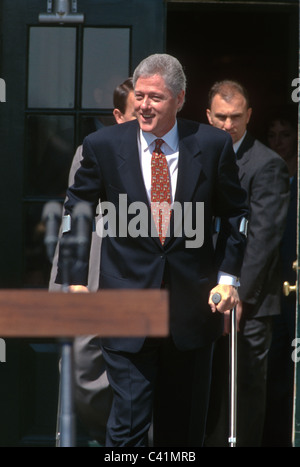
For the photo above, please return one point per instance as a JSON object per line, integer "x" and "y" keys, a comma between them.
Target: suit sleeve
{"x": 231, "y": 208}
{"x": 269, "y": 200}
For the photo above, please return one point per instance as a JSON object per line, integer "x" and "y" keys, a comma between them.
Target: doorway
{"x": 254, "y": 44}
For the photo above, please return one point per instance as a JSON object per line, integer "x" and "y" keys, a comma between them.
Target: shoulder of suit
{"x": 202, "y": 130}
{"x": 260, "y": 148}
{"x": 109, "y": 133}
{"x": 259, "y": 155}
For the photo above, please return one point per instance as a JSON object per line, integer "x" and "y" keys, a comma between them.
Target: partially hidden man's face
{"x": 155, "y": 106}
{"x": 232, "y": 116}
{"x": 282, "y": 138}
{"x": 129, "y": 112}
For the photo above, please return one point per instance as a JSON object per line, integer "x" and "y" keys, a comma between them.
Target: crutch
{"x": 216, "y": 298}
{"x": 233, "y": 379}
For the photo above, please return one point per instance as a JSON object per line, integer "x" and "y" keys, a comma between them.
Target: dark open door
{"x": 296, "y": 351}
{"x": 296, "y": 355}
{"x": 58, "y": 78}
{"x": 257, "y": 44}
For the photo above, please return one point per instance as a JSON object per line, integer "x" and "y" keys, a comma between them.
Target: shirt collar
{"x": 238, "y": 143}
{"x": 171, "y": 139}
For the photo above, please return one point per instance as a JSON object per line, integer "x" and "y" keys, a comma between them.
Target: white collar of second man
{"x": 238, "y": 143}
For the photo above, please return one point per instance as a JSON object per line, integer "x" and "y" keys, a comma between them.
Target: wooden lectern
{"x": 107, "y": 313}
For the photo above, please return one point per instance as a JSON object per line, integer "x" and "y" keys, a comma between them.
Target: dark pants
{"x": 253, "y": 344}
{"x": 93, "y": 395}
{"x": 162, "y": 384}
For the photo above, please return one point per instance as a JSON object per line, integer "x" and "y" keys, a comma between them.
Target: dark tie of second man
{"x": 160, "y": 190}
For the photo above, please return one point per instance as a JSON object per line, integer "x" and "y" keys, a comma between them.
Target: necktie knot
{"x": 158, "y": 144}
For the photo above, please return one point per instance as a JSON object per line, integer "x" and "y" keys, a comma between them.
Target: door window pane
{"x": 105, "y": 65}
{"x": 89, "y": 124}
{"x": 51, "y": 72}
{"x": 36, "y": 263}
{"x": 50, "y": 153}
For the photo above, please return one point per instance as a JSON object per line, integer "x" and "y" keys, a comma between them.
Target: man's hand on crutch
{"x": 223, "y": 298}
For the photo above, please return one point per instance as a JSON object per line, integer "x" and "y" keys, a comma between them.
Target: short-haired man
{"x": 264, "y": 176}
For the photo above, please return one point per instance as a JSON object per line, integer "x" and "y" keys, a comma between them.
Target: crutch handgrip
{"x": 216, "y": 298}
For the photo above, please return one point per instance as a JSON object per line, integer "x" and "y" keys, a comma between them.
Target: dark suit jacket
{"x": 207, "y": 173}
{"x": 264, "y": 176}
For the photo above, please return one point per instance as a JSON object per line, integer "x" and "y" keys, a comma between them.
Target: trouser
{"x": 162, "y": 384}
{"x": 92, "y": 393}
{"x": 253, "y": 344}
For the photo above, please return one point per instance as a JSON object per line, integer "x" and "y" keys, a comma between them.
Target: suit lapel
{"x": 189, "y": 163}
{"x": 243, "y": 154}
{"x": 130, "y": 167}
{"x": 189, "y": 167}
{"x": 131, "y": 174}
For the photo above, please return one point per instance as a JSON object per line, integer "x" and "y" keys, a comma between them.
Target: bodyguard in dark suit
{"x": 117, "y": 167}
{"x": 264, "y": 176}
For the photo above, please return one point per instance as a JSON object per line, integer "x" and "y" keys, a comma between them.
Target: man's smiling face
{"x": 155, "y": 106}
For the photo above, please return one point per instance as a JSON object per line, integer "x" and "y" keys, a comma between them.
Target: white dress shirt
{"x": 170, "y": 147}
{"x": 238, "y": 143}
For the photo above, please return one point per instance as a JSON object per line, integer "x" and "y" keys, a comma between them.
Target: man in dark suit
{"x": 264, "y": 176}
{"x": 201, "y": 171}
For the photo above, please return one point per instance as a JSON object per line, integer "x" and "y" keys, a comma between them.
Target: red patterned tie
{"x": 160, "y": 190}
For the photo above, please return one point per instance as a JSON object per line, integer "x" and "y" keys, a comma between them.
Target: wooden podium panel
{"x": 108, "y": 313}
